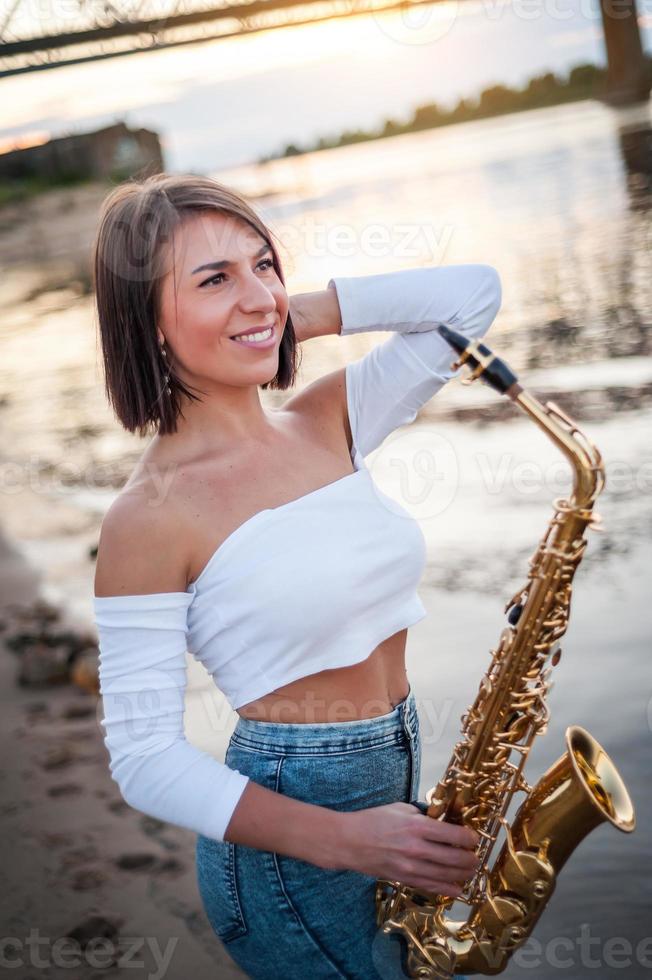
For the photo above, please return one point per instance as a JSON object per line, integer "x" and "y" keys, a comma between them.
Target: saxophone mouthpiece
{"x": 484, "y": 363}
{"x": 457, "y": 340}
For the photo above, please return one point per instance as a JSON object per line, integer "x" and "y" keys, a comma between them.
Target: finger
{"x": 452, "y": 876}
{"x": 453, "y": 857}
{"x": 450, "y": 833}
{"x": 421, "y": 865}
{"x": 435, "y": 887}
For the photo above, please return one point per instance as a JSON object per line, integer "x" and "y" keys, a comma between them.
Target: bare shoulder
{"x": 324, "y": 402}
{"x": 140, "y": 548}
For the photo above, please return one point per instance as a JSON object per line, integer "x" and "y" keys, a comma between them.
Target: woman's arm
{"x": 407, "y": 301}
{"x": 395, "y": 842}
{"x": 315, "y": 314}
{"x": 387, "y": 387}
{"x": 141, "y": 615}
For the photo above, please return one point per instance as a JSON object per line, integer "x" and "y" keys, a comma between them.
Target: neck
{"x": 228, "y": 417}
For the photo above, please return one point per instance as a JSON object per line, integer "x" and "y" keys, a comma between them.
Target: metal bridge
{"x": 78, "y": 31}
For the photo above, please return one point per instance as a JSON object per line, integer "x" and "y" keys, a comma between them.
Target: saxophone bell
{"x": 581, "y": 790}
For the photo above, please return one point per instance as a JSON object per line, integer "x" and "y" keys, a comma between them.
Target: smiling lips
{"x": 261, "y": 338}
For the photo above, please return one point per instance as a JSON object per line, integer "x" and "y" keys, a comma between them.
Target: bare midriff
{"x": 365, "y": 690}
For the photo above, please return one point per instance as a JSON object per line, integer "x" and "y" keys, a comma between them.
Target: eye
{"x": 268, "y": 263}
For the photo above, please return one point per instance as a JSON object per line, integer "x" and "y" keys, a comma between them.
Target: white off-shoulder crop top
{"x": 313, "y": 584}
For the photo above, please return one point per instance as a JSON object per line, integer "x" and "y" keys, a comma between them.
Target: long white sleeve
{"x": 387, "y": 386}
{"x": 143, "y": 674}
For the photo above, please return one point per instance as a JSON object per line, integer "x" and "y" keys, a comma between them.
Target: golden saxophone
{"x": 581, "y": 790}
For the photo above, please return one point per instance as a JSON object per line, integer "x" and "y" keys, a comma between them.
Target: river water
{"x": 558, "y": 200}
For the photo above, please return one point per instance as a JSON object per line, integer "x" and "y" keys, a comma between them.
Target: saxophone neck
{"x": 584, "y": 457}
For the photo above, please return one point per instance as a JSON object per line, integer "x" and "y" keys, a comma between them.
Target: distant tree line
{"x": 585, "y": 81}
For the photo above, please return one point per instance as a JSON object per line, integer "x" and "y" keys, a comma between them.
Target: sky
{"x": 223, "y": 103}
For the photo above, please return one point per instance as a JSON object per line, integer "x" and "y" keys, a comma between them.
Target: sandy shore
{"x": 77, "y": 861}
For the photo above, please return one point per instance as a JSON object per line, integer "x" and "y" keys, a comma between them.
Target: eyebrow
{"x": 224, "y": 264}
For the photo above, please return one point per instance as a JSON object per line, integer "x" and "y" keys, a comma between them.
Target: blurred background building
{"x": 113, "y": 153}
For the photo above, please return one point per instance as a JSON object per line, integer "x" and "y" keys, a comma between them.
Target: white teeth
{"x": 255, "y": 337}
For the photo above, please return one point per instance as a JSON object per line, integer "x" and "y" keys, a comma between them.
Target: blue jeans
{"x": 280, "y": 918}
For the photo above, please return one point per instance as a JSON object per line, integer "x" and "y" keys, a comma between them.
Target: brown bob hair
{"x": 137, "y": 219}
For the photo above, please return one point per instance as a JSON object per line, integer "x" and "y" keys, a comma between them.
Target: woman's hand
{"x": 397, "y": 842}
{"x": 315, "y": 314}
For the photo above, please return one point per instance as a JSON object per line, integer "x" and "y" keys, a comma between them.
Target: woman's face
{"x": 226, "y": 284}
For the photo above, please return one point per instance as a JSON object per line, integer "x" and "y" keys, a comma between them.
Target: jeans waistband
{"x": 337, "y": 735}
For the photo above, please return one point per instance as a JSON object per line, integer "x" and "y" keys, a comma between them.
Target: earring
{"x": 167, "y": 373}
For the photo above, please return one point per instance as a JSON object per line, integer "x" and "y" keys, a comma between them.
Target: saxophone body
{"x": 582, "y": 789}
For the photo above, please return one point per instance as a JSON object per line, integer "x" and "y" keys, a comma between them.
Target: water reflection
{"x": 618, "y": 325}
{"x": 557, "y": 199}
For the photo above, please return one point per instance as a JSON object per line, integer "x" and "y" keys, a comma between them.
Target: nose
{"x": 255, "y": 296}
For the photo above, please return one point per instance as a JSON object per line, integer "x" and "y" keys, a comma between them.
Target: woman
{"x": 256, "y": 540}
